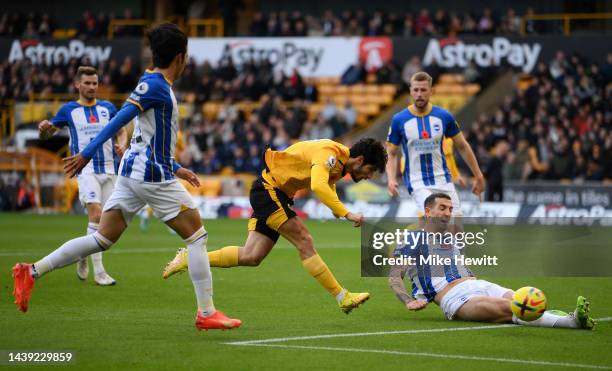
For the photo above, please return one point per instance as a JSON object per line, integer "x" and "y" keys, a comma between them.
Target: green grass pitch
{"x": 147, "y": 323}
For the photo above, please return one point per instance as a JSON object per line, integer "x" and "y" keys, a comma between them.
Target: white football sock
{"x": 550, "y": 319}
{"x": 199, "y": 270}
{"x": 96, "y": 258}
{"x": 70, "y": 252}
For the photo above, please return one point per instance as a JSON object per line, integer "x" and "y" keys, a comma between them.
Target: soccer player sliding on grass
{"x": 147, "y": 175}
{"x": 454, "y": 288}
{"x": 316, "y": 165}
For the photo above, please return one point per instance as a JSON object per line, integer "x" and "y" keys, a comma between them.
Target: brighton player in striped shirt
{"x": 419, "y": 130}
{"x": 454, "y": 288}
{"x": 146, "y": 176}
{"x": 85, "y": 118}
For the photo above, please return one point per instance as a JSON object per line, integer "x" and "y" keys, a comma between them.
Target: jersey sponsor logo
{"x": 142, "y": 88}
{"x": 331, "y": 162}
{"x": 425, "y": 145}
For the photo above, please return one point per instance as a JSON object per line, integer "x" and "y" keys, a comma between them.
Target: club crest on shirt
{"x": 436, "y": 127}
{"x": 331, "y": 162}
{"x": 142, "y": 88}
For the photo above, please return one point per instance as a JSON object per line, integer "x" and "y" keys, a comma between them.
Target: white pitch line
{"x": 434, "y": 355}
{"x": 356, "y": 334}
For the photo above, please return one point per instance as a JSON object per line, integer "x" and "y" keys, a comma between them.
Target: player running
{"x": 420, "y": 130}
{"x": 147, "y": 176}
{"x": 85, "y": 118}
{"x": 455, "y": 289}
{"x": 316, "y": 165}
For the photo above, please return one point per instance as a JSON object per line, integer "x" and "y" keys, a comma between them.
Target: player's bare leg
{"x": 188, "y": 225}
{"x": 497, "y": 310}
{"x": 112, "y": 226}
{"x": 296, "y": 232}
{"x": 94, "y": 213}
{"x": 486, "y": 309}
{"x": 256, "y": 248}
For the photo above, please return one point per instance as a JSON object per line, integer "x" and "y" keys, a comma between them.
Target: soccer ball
{"x": 528, "y": 303}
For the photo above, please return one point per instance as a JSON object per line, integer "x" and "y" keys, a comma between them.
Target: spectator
{"x": 321, "y": 130}
{"x": 350, "y": 114}
{"x": 26, "y": 198}
{"x": 354, "y": 74}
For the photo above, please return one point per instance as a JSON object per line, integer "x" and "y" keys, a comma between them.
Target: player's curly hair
{"x": 166, "y": 41}
{"x": 373, "y": 153}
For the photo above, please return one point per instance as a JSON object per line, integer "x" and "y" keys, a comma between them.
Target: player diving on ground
{"x": 460, "y": 295}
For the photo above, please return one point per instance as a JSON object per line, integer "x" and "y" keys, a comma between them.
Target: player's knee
{"x": 251, "y": 260}
{"x": 305, "y": 242}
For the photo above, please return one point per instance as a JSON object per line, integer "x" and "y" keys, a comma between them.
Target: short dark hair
{"x": 373, "y": 153}
{"x": 85, "y": 70}
{"x": 431, "y": 199}
{"x": 166, "y": 41}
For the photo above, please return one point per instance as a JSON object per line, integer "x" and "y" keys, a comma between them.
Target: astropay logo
{"x": 454, "y": 53}
{"x": 375, "y": 51}
{"x": 289, "y": 53}
{"x": 39, "y": 53}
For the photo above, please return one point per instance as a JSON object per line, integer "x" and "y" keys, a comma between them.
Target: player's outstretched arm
{"x": 74, "y": 164}
{"x": 396, "y": 283}
{"x": 319, "y": 184}
{"x": 470, "y": 159}
{"x": 392, "y": 165}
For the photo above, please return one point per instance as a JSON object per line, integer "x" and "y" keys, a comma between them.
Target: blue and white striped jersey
{"x": 150, "y": 157}
{"x": 421, "y": 137}
{"x": 427, "y": 275}
{"x": 84, "y": 122}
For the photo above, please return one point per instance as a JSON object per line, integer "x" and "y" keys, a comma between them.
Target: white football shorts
{"x": 95, "y": 188}
{"x": 464, "y": 291}
{"x": 166, "y": 199}
{"x": 420, "y": 194}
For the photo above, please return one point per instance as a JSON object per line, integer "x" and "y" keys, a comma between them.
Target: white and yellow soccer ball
{"x": 528, "y": 303}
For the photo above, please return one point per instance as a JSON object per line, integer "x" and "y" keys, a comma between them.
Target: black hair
{"x": 166, "y": 41}
{"x": 373, "y": 153}
{"x": 431, "y": 199}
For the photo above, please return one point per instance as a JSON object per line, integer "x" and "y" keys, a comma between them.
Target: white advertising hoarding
{"x": 312, "y": 56}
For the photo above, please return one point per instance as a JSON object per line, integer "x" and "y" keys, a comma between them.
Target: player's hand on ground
{"x": 478, "y": 186}
{"x": 45, "y": 128}
{"x": 356, "y": 218}
{"x": 120, "y": 150}
{"x": 189, "y": 176}
{"x": 392, "y": 188}
{"x": 460, "y": 181}
{"x": 417, "y": 304}
{"x": 74, "y": 164}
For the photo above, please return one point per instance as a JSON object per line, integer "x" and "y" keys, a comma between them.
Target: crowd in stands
{"x": 359, "y": 23}
{"x": 19, "y": 80}
{"x": 236, "y": 138}
{"x": 559, "y": 128}
{"x": 35, "y": 25}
